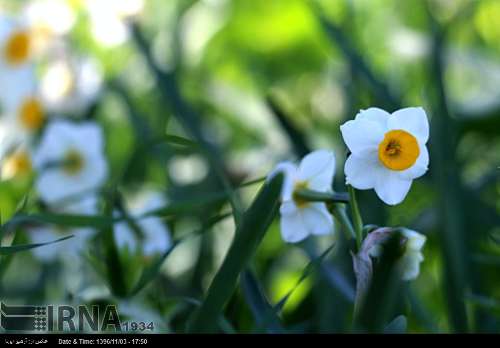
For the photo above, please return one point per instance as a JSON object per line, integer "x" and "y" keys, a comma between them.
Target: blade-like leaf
{"x": 64, "y": 220}
{"x": 397, "y": 326}
{"x": 114, "y": 271}
{"x": 8, "y": 250}
{"x": 248, "y": 236}
{"x": 263, "y": 312}
{"x": 308, "y": 270}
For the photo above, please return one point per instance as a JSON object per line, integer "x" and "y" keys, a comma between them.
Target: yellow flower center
{"x": 17, "y": 47}
{"x": 73, "y": 162}
{"x": 399, "y": 150}
{"x": 31, "y": 114}
{"x": 299, "y": 202}
{"x": 17, "y": 164}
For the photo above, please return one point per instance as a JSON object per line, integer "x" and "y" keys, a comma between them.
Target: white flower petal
{"x": 318, "y": 169}
{"x": 52, "y": 186}
{"x": 409, "y": 265}
{"x": 415, "y": 241}
{"x": 391, "y": 188}
{"x": 157, "y": 237}
{"x": 289, "y": 171}
{"x": 376, "y": 115}
{"x": 45, "y": 253}
{"x": 361, "y": 171}
{"x": 317, "y": 219}
{"x": 124, "y": 237}
{"x": 413, "y": 120}
{"x": 362, "y": 135}
{"x": 59, "y": 138}
{"x": 419, "y": 168}
{"x": 293, "y": 229}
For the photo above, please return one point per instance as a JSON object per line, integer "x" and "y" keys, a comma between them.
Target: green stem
{"x": 356, "y": 216}
{"x": 339, "y": 212}
{"x": 315, "y": 196}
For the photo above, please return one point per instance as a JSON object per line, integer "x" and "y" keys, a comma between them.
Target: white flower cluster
{"x": 66, "y": 155}
{"x": 387, "y": 152}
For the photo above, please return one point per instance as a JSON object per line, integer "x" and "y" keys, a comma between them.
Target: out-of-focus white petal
{"x": 293, "y": 229}
{"x": 60, "y": 138}
{"x": 376, "y": 115}
{"x": 157, "y": 236}
{"x": 362, "y": 135}
{"x": 318, "y": 169}
{"x": 317, "y": 219}
{"x": 46, "y": 253}
{"x": 409, "y": 265}
{"x": 124, "y": 237}
{"x": 415, "y": 240}
{"x": 289, "y": 171}
{"x": 391, "y": 188}
{"x": 361, "y": 171}
{"x": 288, "y": 207}
{"x": 413, "y": 120}
{"x": 51, "y": 187}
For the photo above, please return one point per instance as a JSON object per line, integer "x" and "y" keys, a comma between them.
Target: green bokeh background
{"x": 318, "y": 62}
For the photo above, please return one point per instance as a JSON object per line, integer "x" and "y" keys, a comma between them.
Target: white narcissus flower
{"x": 108, "y": 19}
{"x": 15, "y": 48}
{"x": 16, "y": 164}
{"x": 299, "y": 218}
{"x": 387, "y": 151}
{"x": 409, "y": 263}
{"x": 69, "y": 248}
{"x": 70, "y": 160}
{"x": 70, "y": 83}
{"x": 24, "y": 112}
{"x": 156, "y": 238}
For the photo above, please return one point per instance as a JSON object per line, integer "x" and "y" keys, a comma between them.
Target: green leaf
{"x": 153, "y": 270}
{"x": 180, "y": 141}
{"x": 8, "y": 250}
{"x": 308, "y": 270}
{"x": 187, "y": 206}
{"x": 356, "y": 60}
{"x": 149, "y": 273}
{"x": 397, "y": 326}
{"x": 64, "y": 220}
{"x": 114, "y": 268}
{"x": 247, "y": 238}
{"x": 327, "y": 197}
{"x": 484, "y": 301}
{"x": 263, "y": 312}
{"x": 295, "y": 135}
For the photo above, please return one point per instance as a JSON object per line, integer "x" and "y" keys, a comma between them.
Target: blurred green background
{"x": 265, "y": 81}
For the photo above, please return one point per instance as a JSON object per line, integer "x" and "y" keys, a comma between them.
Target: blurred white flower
{"x": 70, "y": 160}
{"x": 15, "y": 43}
{"x": 16, "y": 164}
{"x": 50, "y": 17}
{"x": 48, "y": 20}
{"x": 156, "y": 238}
{"x": 409, "y": 264}
{"x": 387, "y": 151}
{"x": 22, "y": 106}
{"x": 16, "y": 51}
{"x": 300, "y": 218}
{"x": 68, "y": 249}
{"x": 108, "y": 18}
{"x": 71, "y": 84}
